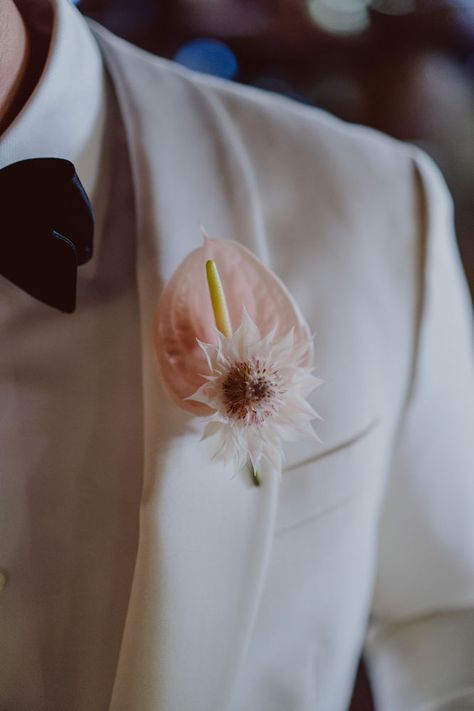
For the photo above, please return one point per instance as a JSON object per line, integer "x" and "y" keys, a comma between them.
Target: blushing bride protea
{"x": 257, "y": 392}
{"x": 250, "y": 384}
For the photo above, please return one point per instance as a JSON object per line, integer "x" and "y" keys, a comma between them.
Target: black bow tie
{"x": 47, "y": 226}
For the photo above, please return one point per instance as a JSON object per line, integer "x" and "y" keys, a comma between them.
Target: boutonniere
{"x": 234, "y": 348}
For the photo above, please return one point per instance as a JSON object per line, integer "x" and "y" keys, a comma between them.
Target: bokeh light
{"x": 209, "y": 56}
{"x": 340, "y": 16}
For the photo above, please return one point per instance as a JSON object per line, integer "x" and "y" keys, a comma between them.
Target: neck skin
{"x": 14, "y": 52}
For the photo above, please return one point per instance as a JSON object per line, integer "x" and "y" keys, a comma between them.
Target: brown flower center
{"x": 249, "y": 390}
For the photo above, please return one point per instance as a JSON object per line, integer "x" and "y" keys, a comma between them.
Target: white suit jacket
{"x": 142, "y": 576}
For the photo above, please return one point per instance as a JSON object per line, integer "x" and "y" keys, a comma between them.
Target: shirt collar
{"x": 65, "y": 115}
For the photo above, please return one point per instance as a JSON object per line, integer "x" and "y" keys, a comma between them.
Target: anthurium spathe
{"x": 243, "y": 362}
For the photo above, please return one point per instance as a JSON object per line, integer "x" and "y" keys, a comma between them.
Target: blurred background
{"x": 405, "y": 67}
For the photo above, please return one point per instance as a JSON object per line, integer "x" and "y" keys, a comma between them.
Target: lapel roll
{"x": 204, "y": 543}
{"x": 205, "y": 534}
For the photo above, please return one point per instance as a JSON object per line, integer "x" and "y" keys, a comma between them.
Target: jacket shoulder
{"x": 288, "y": 131}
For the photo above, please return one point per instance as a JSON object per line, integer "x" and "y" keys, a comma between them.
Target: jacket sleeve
{"x": 420, "y": 646}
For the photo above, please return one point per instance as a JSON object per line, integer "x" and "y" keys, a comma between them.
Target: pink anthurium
{"x": 250, "y": 375}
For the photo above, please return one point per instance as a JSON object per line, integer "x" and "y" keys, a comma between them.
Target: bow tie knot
{"x": 47, "y": 229}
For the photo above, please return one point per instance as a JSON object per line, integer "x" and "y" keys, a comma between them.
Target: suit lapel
{"x": 205, "y": 532}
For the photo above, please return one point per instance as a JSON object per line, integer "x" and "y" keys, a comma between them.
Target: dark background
{"x": 405, "y": 67}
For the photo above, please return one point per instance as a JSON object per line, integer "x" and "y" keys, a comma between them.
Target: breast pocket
{"x": 328, "y": 478}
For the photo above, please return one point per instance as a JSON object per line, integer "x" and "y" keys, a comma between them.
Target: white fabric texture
{"x": 144, "y": 576}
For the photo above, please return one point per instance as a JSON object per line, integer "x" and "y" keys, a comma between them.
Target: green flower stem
{"x": 255, "y": 476}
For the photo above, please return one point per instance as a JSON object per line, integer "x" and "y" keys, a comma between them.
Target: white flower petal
{"x": 224, "y": 449}
{"x": 265, "y": 344}
{"x": 258, "y": 391}
{"x": 212, "y": 428}
{"x": 295, "y": 403}
{"x": 209, "y": 352}
{"x": 205, "y": 395}
{"x": 246, "y": 337}
{"x": 308, "y": 383}
{"x": 274, "y": 455}
{"x": 283, "y": 348}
